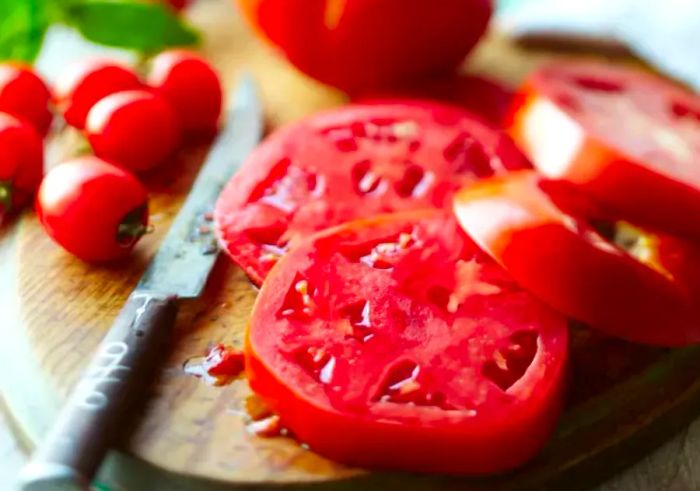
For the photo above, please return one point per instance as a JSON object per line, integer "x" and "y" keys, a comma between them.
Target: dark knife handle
{"x": 98, "y": 409}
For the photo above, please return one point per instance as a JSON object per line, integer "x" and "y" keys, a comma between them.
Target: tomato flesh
{"x": 642, "y": 287}
{"x": 349, "y": 163}
{"x": 627, "y": 138}
{"x": 372, "y": 359}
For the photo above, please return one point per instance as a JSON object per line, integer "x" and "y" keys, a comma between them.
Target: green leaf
{"x": 130, "y": 24}
{"x": 23, "y": 24}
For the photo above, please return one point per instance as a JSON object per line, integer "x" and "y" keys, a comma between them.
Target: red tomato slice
{"x": 373, "y": 359}
{"x": 481, "y": 96}
{"x": 366, "y": 44}
{"x": 353, "y": 162}
{"x": 627, "y": 138}
{"x": 635, "y": 285}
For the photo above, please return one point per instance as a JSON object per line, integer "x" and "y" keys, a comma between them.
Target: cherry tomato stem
{"x": 21, "y": 162}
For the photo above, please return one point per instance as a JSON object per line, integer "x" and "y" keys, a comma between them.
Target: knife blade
{"x": 127, "y": 360}
{"x": 189, "y": 251}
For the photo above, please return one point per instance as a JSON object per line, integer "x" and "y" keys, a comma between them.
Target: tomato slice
{"x": 373, "y": 359}
{"x": 481, "y": 96}
{"x": 626, "y": 137}
{"x": 353, "y": 162}
{"x": 625, "y": 281}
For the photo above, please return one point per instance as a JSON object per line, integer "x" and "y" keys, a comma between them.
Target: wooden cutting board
{"x": 624, "y": 400}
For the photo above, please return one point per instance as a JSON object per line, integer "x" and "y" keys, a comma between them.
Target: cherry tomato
{"x": 21, "y": 162}
{"x": 24, "y": 95}
{"x": 373, "y": 359}
{"x": 94, "y": 210}
{"x": 625, "y": 281}
{"x": 135, "y": 129}
{"x": 353, "y": 162}
{"x": 84, "y": 83}
{"x": 627, "y": 138}
{"x": 367, "y": 44}
{"x": 192, "y": 87}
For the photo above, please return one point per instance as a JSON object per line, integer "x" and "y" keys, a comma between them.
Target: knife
{"x": 127, "y": 360}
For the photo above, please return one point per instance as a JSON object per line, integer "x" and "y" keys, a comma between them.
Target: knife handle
{"x": 99, "y": 408}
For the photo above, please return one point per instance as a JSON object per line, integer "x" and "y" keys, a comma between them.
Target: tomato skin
{"x": 82, "y": 203}
{"x": 602, "y": 161}
{"x": 86, "y": 82}
{"x": 24, "y": 95}
{"x": 563, "y": 261}
{"x": 191, "y": 86}
{"x": 135, "y": 129}
{"x": 21, "y": 162}
{"x": 367, "y": 44}
{"x": 356, "y": 425}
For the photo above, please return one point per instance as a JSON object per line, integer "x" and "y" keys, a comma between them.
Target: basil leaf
{"x": 130, "y": 24}
{"x": 23, "y": 24}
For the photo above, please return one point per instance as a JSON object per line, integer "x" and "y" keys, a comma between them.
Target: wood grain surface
{"x": 63, "y": 307}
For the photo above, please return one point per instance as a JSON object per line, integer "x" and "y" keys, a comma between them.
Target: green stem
{"x": 6, "y": 195}
{"x": 132, "y": 226}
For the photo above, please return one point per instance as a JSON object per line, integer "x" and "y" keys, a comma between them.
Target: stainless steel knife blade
{"x": 182, "y": 264}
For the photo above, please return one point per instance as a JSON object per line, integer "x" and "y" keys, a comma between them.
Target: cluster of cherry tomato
{"x": 94, "y": 206}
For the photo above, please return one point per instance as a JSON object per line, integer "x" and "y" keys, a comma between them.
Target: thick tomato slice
{"x": 363, "y": 44}
{"x": 394, "y": 342}
{"x": 627, "y": 282}
{"x": 481, "y": 96}
{"x": 353, "y": 162}
{"x": 627, "y": 138}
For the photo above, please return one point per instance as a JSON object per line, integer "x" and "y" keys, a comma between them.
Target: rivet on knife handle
{"x": 91, "y": 420}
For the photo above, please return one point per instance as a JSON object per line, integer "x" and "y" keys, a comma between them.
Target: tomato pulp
{"x": 627, "y": 138}
{"x": 367, "y": 44}
{"x": 353, "y": 162}
{"x": 628, "y": 282}
{"x": 374, "y": 360}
